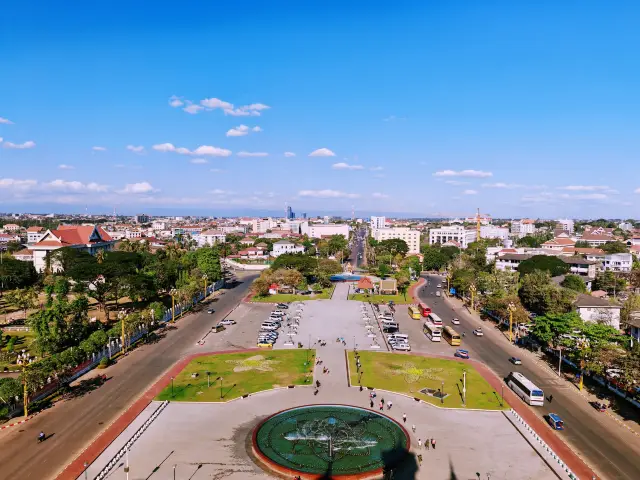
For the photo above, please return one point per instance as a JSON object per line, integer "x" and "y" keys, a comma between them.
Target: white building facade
{"x": 456, "y": 233}
{"x": 618, "y": 262}
{"x": 522, "y": 228}
{"x": 411, "y": 237}
{"x": 283, "y": 246}
{"x": 566, "y": 224}
{"x": 493, "y": 231}
{"x": 211, "y": 237}
{"x": 325, "y": 230}
{"x": 378, "y": 222}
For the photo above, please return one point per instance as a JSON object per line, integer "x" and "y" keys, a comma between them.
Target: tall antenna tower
{"x": 285, "y": 210}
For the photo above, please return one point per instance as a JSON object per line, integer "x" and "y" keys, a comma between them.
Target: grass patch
{"x": 242, "y": 373}
{"x": 398, "y": 299}
{"x": 22, "y": 341}
{"x": 288, "y": 298}
{"x": 411, "y": 373}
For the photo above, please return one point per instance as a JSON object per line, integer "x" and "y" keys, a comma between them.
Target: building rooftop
{"x": 585, "y": 301}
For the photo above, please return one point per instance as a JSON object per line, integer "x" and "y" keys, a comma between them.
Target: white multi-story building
{"x": 598, "y": 310}
{"x": 411, "y": 237}
{"x": 284, "y": 246}
{"x": 522, "y": 228}
{"x": 378, "y": 222}
{"x": 211, "y": 237}
{"x": 493, "y": 231}
{"x": 159, "y": 226}
{"x": 618, "y": 262}
{"x": 34, "y": 234}
{"x": 566, "y": 224}
{"x": 452, "y": 233}
{"x": 324, "y": 230}
{"x": 261, "y": 225}
{"x": 132, "y": 234}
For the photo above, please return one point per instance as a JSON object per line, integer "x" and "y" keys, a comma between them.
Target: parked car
{"x": 404, "y": 347}
{"x": 460, "y": 353}
{"x": 228, "y": 321}
{"x": 455, "y": 321}
{"x": 478, "y": 332}
{"x": 278, "y": 313}
{"x": 515, "y": 361}
{"x": 283, "y": 306}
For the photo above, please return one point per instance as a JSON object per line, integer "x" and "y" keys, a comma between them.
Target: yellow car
{"x": 265, "y": 345}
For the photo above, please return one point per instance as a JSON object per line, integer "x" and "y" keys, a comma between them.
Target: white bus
{"x": 435, "y": 319}
{"x": 433, "y": 332}
{"x": 525, "y": 389}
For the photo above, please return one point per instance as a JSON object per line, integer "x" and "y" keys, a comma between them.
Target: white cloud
{"x": 585, "y": 196}
{"x": 175, "y": 101}
{"x": 586, "y": 188}
{"x": 376, "y": 169}
{"x": 164, "y": 147}
{"x": 322, "y": 152}
{"x": 192, "y": 108}
{"x": 289, "y": 154}
{"x": 463, "y": 173}
{"x": 75, "y": 186}
{"x": 213, "y": 103}
{"x": 456, "y": 182}
{"x": 199, "y": 161}
{"x": 239, "y": 131}
{"x": 346, "y": 166}
{"x": 252, "y": 154}
{"x": 211, "y": 151}
{"x": 99, "y": 149}
{"x": 470, "y": 192}
{"x": 327, "y": 194}
{"x": 379, "y": 195}
{"x": 253, "y": 110}
{"x": 136, "y": 149}
{"x": 256, "y": 129}
{"x": 137, "y": 188}
{"x": 637, "y": 190}
{"x": 15, "y": 184}
{"x": 66, "y": 167}
{"x": 218, "y": 191}
{"x": 19, "y": 146}
{"x": 217, "y": 170}
{"x": 5, "y": 121}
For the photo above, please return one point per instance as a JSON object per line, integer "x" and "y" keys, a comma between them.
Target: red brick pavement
{"x": 575, "y": 463}
{"x": 412, "y": 290}
{"x": 93, "y": 451}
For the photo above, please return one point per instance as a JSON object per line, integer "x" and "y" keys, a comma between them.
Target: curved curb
{"x": 20, "y": 422}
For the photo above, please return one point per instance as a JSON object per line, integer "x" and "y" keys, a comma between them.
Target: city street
{"x": 71, "y": 425}
{"x": 607, "y": 447}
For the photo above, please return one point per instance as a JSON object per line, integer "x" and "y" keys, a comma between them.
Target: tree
{"x": 539, "y": 295}
{"x": 393, "y": 246}
{"x": 298, "y": 261}
{"x": 546, "y": 263}
{"x": 549, "y": 328}
{"x": 632, "y": 304}
{"x": 61, "y": 287}
{"x": 22, "y": 299}
{"x": 327, "y": 267}
{"x": 403, "y": 281}
{"x": 582, "y": 244}
{"x": 574, "y": 282}
{"x": 434, "y": 259}
{"x": 533, "y": 241}
{"x": 16, "y": 274}
{"x": 10, "y": 390}
{"x": 614, "y": 247}
{"x": 208, "y": 263}
{"x": 609, "y": 282}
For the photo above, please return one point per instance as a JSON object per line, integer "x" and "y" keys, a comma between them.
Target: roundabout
{"x": 336, "y": 441}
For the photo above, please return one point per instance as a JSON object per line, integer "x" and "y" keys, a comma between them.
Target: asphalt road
{"x": 605, "y": 446}
{"x": 358, "y": 248}
{"x": 73, "y": 424}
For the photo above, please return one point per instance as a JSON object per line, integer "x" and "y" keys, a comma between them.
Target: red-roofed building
{"x": 89, "y": 238}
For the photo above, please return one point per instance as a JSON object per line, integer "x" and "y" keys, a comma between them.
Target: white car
{"x": 455, "y": 321}
{"x": 439, "y": 285}
{"x": 478, "y": 332}
{"x": 405, "y": 347}
{"x": 228, "y": 321}
{"x": 438, "y": 293}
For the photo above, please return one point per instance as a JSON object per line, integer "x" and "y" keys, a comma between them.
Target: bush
{"x": 104, "y": 362}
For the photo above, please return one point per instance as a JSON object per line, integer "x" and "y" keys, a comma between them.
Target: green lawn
{"x": 397, "y": 299}
{"x": 288, "y": 298}
{"x": 23, "y": 341}
{"x": 411, "y": 373}
{"x": 242, "y": 373}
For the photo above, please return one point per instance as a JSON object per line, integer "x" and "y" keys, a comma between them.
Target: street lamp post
{"x": 85, "y": 470}
{"x": 208, "y": 379}
{"x": 121, "y": 316}
{"x": 512, "y": 308}
{"x": 171, "y": 387}
{"x": 174, "y": 472}
{"x": 464, "y": 388}
{"x": 204, "y": 278}
{"x": 473, "y": 289}
{"x": 442, "y": 393}
{"x": 502, "y": 395}
{"x": 173, "y": 304}
{"x": 221, "y": 388}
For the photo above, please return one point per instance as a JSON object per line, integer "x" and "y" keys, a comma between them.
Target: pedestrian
{"x": 419, "y": 460}
{"x": 426, "y": 443}
{"x": 419, "y": 443}
{"x": 389, "y": 405}
{"x": 404, "y": 417}
{"x": 550, "y": 398}
{"x": 433, "y": 443}
{"x": 413, "y": 428}
{"x": 381, "y": 406}
{"x": 382, "y": 399}
{"x": 371, "y": 403}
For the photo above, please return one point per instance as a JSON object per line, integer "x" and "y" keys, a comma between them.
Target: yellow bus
{"x": 451, "y": 336}
{"x": 414, "y": 312}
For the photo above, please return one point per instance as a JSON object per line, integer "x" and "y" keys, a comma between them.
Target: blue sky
{"x": 418, "y": 107}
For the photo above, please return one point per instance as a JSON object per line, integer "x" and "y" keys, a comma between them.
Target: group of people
{"x": 427, "y": 442}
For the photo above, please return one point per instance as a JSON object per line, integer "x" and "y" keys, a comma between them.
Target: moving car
{"x": 283, "y": 306}
{"x": 478, "y": 332}
{"x": 278, "y": 313}
{"x": 265, "y": 345}
{"x": 210, "y": 311}
{"x": 228, "y": 321}
{"x": 515, "y": 361}
{"x": 439, "y": 285}
{"x": 555, "y": 421}
{"x": 455, "y": 321}
{"x": 460, "y": 353}
{"x": 438, "y": 293}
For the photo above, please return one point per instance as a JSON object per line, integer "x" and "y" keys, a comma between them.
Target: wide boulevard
{"x": 73, "y": 424}
{"x": 608, "y": 448}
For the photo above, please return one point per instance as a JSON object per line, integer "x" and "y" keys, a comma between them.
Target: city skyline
{"x": 421, "y": 111}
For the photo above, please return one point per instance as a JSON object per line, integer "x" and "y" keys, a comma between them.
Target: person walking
{"x": 404, "y": 417}
{"x": 433, "y": 443}
{"x": 381, "y": 406}
{"x": 371, "y": 401}
{"x": 550, "y": 398}
{"x": 389, "y": 405}
{"x": 426, "y": 443}
{"x": 419, "y": 443}
{"x": 413, "y": 428}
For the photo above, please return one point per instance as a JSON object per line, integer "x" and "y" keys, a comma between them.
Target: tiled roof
{"x": 67, "y": 235}
{"x": 585, "y": 300}
{"x": 559, "y": 241}
{"x": 35, "y": 229}
{"x": 25, "y": 252}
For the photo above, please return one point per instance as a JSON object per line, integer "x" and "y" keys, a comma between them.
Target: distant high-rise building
{"x": 304, "y": 216}
{"x": 141, "y": 218}
{"x": 566, "y": 224}
{"x": 290, "y": 213}
{"x": 378, "y": 222}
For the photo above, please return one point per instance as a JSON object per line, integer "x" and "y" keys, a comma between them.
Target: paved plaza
{"x": 213, "y": 441}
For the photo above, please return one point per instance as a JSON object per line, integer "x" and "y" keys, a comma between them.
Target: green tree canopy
{"x": 615, "y": 247}
{"x": 544, "y": 263}
{"x": 574, "y": 282}
{"x": 540, "y": 295}
{"x": 16, "y": 274}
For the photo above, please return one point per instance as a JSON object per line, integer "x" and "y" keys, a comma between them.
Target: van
{"x": 398, "y": 336}
{"x": 269, "y": 326}
{"x": 390, "y": 325}
{"x": 387, "y": 320}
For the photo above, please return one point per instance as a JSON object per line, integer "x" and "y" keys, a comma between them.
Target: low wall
{"x": 245, "y": 266}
